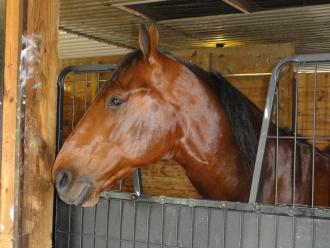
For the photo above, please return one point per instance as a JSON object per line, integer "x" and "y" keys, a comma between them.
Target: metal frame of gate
{"x": 309, "y": 59}
{"x": 124, "y": 220}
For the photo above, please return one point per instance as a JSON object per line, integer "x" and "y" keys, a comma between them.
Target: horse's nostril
{"x": 62, "y": 179}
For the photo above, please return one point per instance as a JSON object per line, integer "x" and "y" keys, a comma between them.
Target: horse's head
{"x": 131, "y": 123}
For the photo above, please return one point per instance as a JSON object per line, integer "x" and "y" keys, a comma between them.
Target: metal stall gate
{"x": 122, "y": 220}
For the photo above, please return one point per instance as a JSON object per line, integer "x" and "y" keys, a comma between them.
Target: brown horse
{"x": 158, "y": 106}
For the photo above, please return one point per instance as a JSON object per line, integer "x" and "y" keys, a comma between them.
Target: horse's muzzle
{"x": 72, "y": 192}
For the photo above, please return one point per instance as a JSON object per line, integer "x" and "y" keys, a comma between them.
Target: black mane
{"x": 244, "y": 116}
{"x": 126, "y": 61}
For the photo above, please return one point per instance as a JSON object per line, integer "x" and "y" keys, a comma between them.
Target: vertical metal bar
{"x": 264, "y": 130}
{"x": 82, "y": 226}
{"x": 73, "y": 101}
{"x": 177, "y": 224}
{"x": 192, "y": 227}
{"x": 107, "y": 227}
{"x": 137, "y": 178}
{"x": 276, "y": 231}
{"x": 121, "y": 221}
{"x": 240, "y": 229}
{"x": 94, "y": 229}
{"x": 293, "y": 231}
{"x": 313, "y": 233}
{"x": 69, "y": 227}
{"x": 60, "y": 106}
{"x": 163, "y": 223}
{"x": 208, "y": 227}
{"x": 293, "y": 124}
{"x": 295, "y": 138}
{"x": 148, "y": 226}
{"x": 72, "y": 127}
{"x": 294, "y": 84}
{"x": 121, "y": 184}
{"x": 134, "y": 223}
{"x": 224, "y": 228}
{"x": 277, "y": 141}
{"x": 98, "y": 82}
{"x": 314, "y": 133}
{"x": 258, "y": 230}
{"x": 85, "y": 92}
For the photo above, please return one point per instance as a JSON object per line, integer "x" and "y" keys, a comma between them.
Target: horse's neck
{"x": 208, "y": 150}
{"x": 222, "y": 178}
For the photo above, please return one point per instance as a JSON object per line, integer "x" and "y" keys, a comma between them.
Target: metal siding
{"x": 160, "y": 223}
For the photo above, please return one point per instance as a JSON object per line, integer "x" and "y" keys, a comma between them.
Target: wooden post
{"x": 9, "y": 149}
{"x": 41, "y": 39}
{"x": 29, "y": 121}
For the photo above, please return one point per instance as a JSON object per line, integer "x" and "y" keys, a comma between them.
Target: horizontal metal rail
{"x": 286, "y": 210}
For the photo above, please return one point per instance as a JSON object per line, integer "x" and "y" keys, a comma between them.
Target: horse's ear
{"x": 144, "y": 40}
{"x": 149, "y": 39}
{"x": 154, "y": 39}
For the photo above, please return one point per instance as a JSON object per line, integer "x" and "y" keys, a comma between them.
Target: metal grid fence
{"x": 121, "y": 220}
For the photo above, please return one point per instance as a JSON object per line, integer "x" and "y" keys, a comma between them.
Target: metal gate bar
{"x": 267, "y": 118}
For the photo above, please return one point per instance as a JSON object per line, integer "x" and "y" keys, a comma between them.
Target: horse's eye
{"x": 115, "y": 101}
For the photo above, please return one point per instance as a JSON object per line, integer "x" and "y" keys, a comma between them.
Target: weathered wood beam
{"x": 41, "y": 39}
{"x": 9, "y": 129}
{"x": 2, "y": 62}
{"x": 26, "y": 196}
